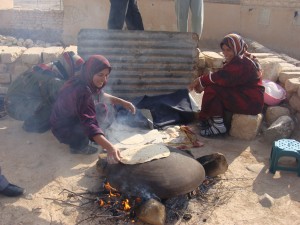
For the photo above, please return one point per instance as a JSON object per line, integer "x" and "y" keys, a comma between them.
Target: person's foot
{"x": 215, "y": 127}
{"x": 12, "y": 191}
{"x": 88, "y": 150}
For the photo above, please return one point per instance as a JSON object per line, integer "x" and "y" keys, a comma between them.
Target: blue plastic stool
{"x": 285, "y": 147}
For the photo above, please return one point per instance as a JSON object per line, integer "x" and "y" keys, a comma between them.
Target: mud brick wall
{"x": 34, "y": 24}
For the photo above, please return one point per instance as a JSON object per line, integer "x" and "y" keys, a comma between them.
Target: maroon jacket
{"x": 75, "y": 103}
{"x": 237, "y": 88}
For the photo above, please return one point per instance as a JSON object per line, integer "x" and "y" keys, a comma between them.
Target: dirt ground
{"x": 45, "y": 168}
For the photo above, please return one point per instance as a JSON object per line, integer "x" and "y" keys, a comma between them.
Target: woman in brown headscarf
{"x": 236, "y": 88}
{"x": 73, "y": 119}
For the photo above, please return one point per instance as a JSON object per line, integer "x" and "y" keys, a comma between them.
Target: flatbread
{"x": 133, "y": 140}
{"x": 144, "y": 153}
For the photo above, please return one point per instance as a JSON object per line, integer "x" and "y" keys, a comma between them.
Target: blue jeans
{"x": 124, "y": 11}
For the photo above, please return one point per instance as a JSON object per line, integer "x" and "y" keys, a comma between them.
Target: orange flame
{"x": 108, "y": 187}
{"x": 101, "y": 203}
{"x": 126, "y": 205}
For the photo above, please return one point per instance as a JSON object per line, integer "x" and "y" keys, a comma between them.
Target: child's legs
{"x": 118, "y": 9}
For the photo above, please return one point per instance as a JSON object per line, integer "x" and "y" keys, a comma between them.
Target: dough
{"x": 144, "y": 153}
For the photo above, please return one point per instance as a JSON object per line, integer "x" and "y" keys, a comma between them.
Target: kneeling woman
{"x": 236, "y": 88}
{"x": 73, "y": 119}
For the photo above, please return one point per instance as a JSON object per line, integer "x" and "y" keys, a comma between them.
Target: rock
{"x": 213, "y": 59}
{"x": 255, "y": 168}
{"x": 284, "y": 76}
{"x": 214, "y": 164}
{"x": 271, "y": 68}
{"x": 32, "y": 56}
{"x": 152, "y": 212}
{"x": 283, "y": 127}
{"x": 68, "y": 211}
{"x": 292, "y": 85}
{"x": 274, "y": 112}
{"x": 295, "y": 102}
{"x": 266, "y": 200}
{"x": 245, "y": 127}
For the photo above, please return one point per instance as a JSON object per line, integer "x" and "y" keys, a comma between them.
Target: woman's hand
{"x": 113, "y": 156}
{"x": 115, "y": 100}
{"x": 129, "y": 106}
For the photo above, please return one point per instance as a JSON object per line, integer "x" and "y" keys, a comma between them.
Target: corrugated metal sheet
{"x": 144, "y": 62}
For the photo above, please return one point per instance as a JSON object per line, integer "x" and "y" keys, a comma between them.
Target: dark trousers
{"x": 124, "y": 11}
{"x": 78, "y": 140}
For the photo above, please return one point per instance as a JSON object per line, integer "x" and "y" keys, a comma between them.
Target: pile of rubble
{"x": 27, "y": 43}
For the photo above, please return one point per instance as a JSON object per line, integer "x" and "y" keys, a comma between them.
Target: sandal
{"x": 215, "y": 128}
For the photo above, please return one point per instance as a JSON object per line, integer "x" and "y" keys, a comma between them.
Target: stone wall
{"x": 273, "y": 3}
{"x": 33, "y": 24}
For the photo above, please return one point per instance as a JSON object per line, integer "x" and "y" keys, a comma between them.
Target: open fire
{"x": 117, "y": 203}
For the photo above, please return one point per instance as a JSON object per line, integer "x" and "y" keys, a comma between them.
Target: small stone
{"x": 266, "y": 200}
{"x": 255, "y": 168}
{"x": 68, "y": 211}
{"x": 29, "y": 197}
{"x": 37, "y": 210}
{"x": 152, "y": 212}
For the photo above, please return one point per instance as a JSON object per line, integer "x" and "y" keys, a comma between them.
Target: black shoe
{"x": 12, "y": 191}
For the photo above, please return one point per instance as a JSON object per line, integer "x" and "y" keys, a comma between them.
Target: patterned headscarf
{"x": 71, "y": 64}
{"x": 236, "y": 43}
{"x": 92, "y": 66}
{"x": 67, "y": 66}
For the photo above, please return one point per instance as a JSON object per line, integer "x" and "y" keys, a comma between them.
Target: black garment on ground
{"x": 169, "y": 109}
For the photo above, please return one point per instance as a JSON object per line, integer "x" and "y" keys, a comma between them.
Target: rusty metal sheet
{"x": 143, "y": 62}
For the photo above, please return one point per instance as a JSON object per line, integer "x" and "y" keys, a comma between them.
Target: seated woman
{"x": 236, "y": 88}
{"x": 30, "y": 97}
{"x": 74, "y": 120}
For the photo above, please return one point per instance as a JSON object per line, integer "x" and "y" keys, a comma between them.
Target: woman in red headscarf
{"x": 73, "y": 119}
{"x": 236, "y": 88}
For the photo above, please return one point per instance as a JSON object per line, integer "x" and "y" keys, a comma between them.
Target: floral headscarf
{"x": 93, "y": 65}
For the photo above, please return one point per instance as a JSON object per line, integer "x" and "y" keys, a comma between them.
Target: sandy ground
{"x": 45, "y": 168}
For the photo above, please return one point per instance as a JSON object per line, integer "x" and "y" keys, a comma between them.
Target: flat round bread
{"x": 133, "y": 140}
{"x": 144, "y": 153}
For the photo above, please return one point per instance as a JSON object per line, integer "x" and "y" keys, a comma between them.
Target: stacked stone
{"x": 28, "y": 43}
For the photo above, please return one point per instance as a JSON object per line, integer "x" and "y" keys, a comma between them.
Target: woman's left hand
{"x": 129, "y": 106}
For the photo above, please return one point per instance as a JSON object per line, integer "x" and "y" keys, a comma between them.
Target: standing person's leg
{"x": 182, "y": 13}
{"x": 117, "y": 14}
{"x": 197, "y": 16}
{"x": 133, "y": 18}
